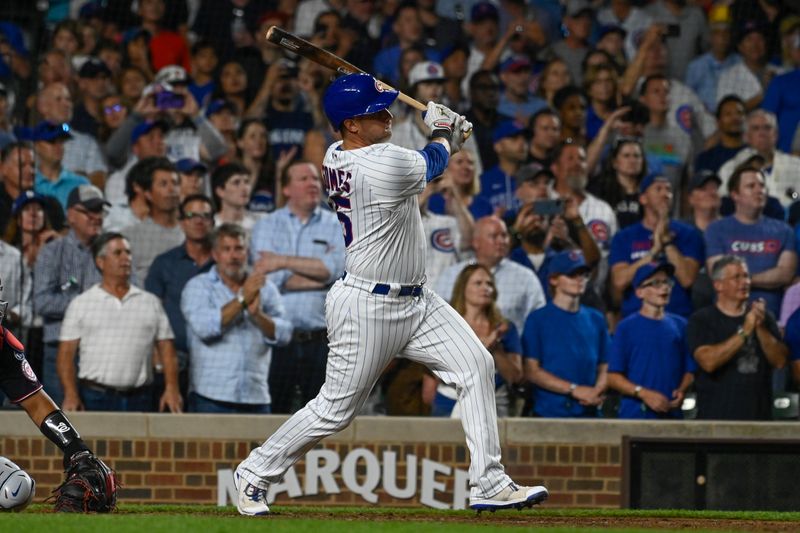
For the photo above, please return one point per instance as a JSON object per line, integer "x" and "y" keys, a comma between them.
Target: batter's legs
{"x": 446, "y": 344}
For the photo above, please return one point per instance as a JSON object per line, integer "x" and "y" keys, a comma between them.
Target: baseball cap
{"x": 720, "y": 16}
{"x": 576, "y": 8}
{"x": 508, "y": 128}
{"x": 750, "y": 26}
{"x": 146, "y": 127}
{"x": 425, "y": 71}
{"x": 789, "y": 24}
{"x": 188, "y": 165}
{"x": 172, "y": 74}
{"x": 703, "y": 177}
{"x": 12, "y": 34}
{"x": 218, "y": 105}
{"x": 26, "y": 198}
{"x": 611, "y": 28}
{"x": 567, "y": 263}
{"x": 531, "y": 172}
{"x": 646, "y": 271}
{"x": 49, "y": 132}
{"x": 484, "y": 11}
{"x": 650, "y": 179}
{"x": 133, "y": 34}
{"x": 516, "y": 64}
{"x": 87, "y": 196}
{"x": 94, "y": 67}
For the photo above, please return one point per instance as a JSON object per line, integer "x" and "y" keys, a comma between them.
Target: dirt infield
{"x": 532, "y": 519}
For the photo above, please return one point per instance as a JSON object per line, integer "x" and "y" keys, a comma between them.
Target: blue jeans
{"x": 201, "y": 404}
{"x": 52, "y": 385}
{"x": 96, "y": 400}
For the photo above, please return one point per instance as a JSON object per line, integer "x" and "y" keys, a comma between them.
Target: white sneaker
{"x": 510, "y": 497}
{"x": 252, "y": 500}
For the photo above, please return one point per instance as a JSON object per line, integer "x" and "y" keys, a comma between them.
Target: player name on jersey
{"x": 322, "y": 465}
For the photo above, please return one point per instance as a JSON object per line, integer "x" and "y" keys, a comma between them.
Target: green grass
{"x": 211, "y": 519}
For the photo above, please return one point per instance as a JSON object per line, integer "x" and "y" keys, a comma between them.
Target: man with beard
{"x": 541, "y": 235}
{"x": 233, "y": 319}
{"x": 656, "y": 238}
{"x": 730, "y": 124}
{"x": 571, "y": 177}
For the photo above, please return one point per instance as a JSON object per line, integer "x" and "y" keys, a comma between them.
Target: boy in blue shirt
{"x": 650, "y": 361}
{"x": 565, "y": 345}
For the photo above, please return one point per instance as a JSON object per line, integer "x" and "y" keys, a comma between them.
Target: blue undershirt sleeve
{"x": 436, "y": 157}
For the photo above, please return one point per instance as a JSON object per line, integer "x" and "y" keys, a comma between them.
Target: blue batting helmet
{"x": 355, "y": 95}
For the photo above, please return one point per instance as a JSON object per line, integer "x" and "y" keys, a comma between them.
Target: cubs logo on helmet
{"x": 355, "y": 95}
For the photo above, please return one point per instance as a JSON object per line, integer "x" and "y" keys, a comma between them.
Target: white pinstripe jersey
{"x": 374, "y": 193}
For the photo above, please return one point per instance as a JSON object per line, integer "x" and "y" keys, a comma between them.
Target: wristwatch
{"x": 742, "y": 333}
{"x": 572, "y": 387}
{"x": 637, "y": 390}
{"x": 241, "y": 300}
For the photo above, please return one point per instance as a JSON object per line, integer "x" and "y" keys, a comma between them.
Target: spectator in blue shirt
{"x": 650, "y": 362}
{"x": 407, "y": 27}
{"x": 703, "y": 72}
{"x": 792, "y": 338}
{"x": 233, "y": 318}
{"x": 52, "y": 179}
{"x": 171, "y": 270}
{"x": 498, "y": 183}
{"x": 766, "y": 244}
{"x": 517, "y": 100}
{"x": 565, "y": 345}
{"x": 300, "y": 246}
{"x": 656, "y": 238}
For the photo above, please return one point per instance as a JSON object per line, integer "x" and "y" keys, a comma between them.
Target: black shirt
{"x": 741, "y": 389}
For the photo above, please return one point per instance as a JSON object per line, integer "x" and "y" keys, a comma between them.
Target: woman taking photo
{"x": 618, "y": 184}
{"x": 475, "y": 298}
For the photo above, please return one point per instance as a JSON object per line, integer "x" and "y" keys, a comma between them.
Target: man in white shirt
{"x": 116, "y": 326}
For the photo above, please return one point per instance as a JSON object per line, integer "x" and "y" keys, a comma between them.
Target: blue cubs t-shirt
{"x": 759, "y": 244}
{"x": 498, "y": 188}
{"x": 635, "y": 241}
{"x": 287, "y": 129}
{"x": 570, "y": 346}
{"x": 651, "y": 353}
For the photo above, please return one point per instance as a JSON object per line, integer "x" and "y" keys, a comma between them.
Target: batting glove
{"x": 440, "y": 119}
{"x": 462, "y": 129}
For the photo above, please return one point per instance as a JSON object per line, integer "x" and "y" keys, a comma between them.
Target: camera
{"x": 169, "y": 100}
{"x": 548, "y": 207}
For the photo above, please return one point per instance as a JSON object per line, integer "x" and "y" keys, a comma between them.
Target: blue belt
{"x": 384, "y": 289}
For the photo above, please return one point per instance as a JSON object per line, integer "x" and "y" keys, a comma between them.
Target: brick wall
{"x": 185, "y": 471}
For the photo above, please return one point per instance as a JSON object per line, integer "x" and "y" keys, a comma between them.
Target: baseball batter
{"x": 380, "y": 309}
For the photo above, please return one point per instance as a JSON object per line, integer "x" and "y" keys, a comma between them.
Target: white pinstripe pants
{"x": 365, "y": 332}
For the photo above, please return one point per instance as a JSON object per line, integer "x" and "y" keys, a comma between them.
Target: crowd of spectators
{"x": 620, "y": 231}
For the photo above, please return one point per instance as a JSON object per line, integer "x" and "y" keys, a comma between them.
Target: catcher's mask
{"x": 3, "y": 303}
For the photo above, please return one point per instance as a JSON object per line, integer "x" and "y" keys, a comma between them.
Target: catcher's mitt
{"x": 90, "y": 486}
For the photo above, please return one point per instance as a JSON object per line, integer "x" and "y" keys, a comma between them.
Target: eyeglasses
{"x": 657, "y": 283}
{"x": 94, "y": 213}
{"x": 191, "y": 215}
{"x": 737, "y": 277}
{"x": 116, "y": 108}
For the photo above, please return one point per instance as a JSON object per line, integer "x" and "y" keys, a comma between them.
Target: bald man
{"x": 519, "y": 291}
{"x": 82, "y": 154}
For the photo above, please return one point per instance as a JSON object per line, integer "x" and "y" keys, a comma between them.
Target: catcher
{"x": 90, "y": 485}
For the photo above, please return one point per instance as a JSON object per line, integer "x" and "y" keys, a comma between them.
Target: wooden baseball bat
{"x": 303, "y": 48}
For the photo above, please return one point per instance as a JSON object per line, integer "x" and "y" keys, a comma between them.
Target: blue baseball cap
{"x": 146, "y": 127}
{"x": 567, "y": 263}
{"x": 516, "y": 64}
{"x": 49, "y": 132}
{"x": 650, "y": 179}
{"x": 94, "y": 67}
{"x": 646, "y": 271}
{"x": 188, "y": 165}
{"x": 218, "y": 105}
{"x": 484, "y": 11}
{"x": 26, "y": 198}
{"x": 508, "y": 128}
